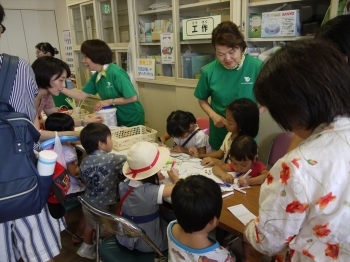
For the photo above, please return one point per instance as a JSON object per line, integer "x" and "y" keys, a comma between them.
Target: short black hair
{"x": 98, "y": 51}
{"x": 305, "y": 84}
{"x": 243, "y": 148}
{"x": 93, "y": 133}
{"x": 179, "y": 122}
{"x": 47, "y": 48}
{"x": 246, "y": 114}
{"x": 196, "y": 201}
{"x": 337, "y": 30}
{"x": 46, "y": 67}
{"x": 151, "y": 179}
{"x": 59, "y": 122}
{"x": 2, "y": 14}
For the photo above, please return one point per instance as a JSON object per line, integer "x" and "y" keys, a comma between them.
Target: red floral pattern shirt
{"x": 305, "y": 200}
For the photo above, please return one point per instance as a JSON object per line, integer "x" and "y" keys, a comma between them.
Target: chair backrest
{"x": 279, "y": 146}
{"x": 118, "y": 225}
{"x": 203, "y": 123}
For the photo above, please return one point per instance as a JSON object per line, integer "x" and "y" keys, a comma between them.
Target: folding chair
{"x": 203, "y": 123}
{"x": 279, "y": 146}
{"x": 109, "y": 250}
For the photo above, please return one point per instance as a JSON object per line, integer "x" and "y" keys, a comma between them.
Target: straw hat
{"x": 144, "y": 159}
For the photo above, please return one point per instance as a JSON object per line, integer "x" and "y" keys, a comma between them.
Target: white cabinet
{"x": 150, "y": 23}
{"x": 107, "y": 20}
{"x": 311, "y": 15}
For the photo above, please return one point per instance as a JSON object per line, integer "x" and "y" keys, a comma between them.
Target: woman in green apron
{"x": 111, "y": 83}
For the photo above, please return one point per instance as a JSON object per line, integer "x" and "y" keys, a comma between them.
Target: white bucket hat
{"x": 144, "y": 159}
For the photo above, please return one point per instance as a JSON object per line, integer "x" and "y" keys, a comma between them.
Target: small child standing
{"x": 243, "y": 155}
{"x": 197, "y": 204}
{"x": 141, "y": 194}
{"x": 242, "y": 118}
{"x": 181, "y": 125}
{"x": 100, "y": 171}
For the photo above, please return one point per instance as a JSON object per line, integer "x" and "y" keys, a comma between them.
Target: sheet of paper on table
{"x": 198, "y": 166}
{"x": 242, "y": 213}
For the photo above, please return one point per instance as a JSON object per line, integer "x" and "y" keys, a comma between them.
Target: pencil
{"x": 239, "y": 190}
{"x": 172, "y": 165}
{"x": 228, "y": 194}
{"x": 246, "y": 174}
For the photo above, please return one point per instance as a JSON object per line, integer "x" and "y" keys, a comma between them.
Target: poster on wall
{"x": 68, "y": 49}
{"x": 167, "y": 47}
{"x": 146, "y": 68}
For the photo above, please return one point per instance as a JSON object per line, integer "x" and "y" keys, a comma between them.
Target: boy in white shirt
{"x": 197, "y": 204}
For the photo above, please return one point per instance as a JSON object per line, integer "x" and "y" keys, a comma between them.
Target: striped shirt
{"x": 24, "y": 91}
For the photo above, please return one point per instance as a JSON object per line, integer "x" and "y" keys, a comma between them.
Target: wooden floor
{"x": 69, "y": 250}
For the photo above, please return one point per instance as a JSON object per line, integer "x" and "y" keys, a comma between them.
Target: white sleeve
{"x": 201, "y": 139}
{"x": 70, "y": 155}
{"x": 160, "y": 194}
{"x": 222, "y": 147}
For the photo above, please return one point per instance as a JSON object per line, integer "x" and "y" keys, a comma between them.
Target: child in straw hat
{"x": 141, "y": 194}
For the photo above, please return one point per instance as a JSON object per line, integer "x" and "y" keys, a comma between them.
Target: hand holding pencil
{"x": 244, "y": 181}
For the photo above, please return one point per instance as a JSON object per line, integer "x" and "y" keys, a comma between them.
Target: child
{"x": 243, "y": 155}
{"x": 197, "y": 204}
{"x": 64, "y": 122}
{"x": 181, "y": 125}
{"x": 242, "y": 118}
{"x": 141, "y": 194}
{"x": 100, "y": 171}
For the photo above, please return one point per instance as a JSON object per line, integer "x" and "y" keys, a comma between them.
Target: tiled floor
{"x": 68, "y": 252}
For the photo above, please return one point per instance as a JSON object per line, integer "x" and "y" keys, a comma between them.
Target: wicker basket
{"x": 126, "y": 137}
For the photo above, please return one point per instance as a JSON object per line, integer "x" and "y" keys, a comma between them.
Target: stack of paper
{"x": 242, "y": 213}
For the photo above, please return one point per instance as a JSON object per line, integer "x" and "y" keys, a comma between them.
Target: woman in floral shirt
{"x": 305, "y": 200}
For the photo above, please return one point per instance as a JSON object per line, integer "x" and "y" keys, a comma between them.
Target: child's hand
{"x": 227, "y": 178}
{"x": 179, "y": 149}
{"x": 160, "y": 175}
{"x": 243, "y": 181}
{"x": 192, "y": 151}
{"x": 174, "y": 175}
{"x": 208, "y": 161}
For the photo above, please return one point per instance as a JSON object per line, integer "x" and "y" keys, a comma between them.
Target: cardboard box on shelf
{"x": 159, "y": 66}
{"x": 280, "y": 23}
{"x": 144, "y": 29}
{"x": 254, "y": 25}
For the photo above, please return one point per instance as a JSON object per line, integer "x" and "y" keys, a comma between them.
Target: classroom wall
{"x": 29, "y": 4}
{"x": 62, "y": 23}
{"x": 60, "y": 8}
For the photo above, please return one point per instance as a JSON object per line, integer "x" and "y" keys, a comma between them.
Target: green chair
{"x": 109, "y": 250}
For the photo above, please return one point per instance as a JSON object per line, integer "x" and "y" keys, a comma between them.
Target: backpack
{"x": 22, "y": 191}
